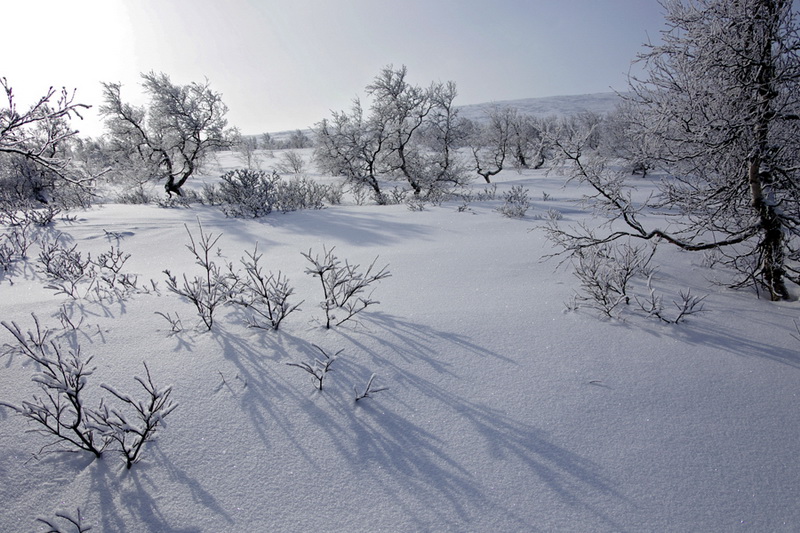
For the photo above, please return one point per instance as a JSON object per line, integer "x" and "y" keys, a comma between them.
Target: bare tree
{"x": 489, "y": 142}
{"x": 38, "y": 133}
{"x": 442, "y": 134}
{"x": 171, "y": 136}
{"x": 36, "y": 166}
{"x": 719, "y": 110}
{"x": 246, "y": 148}
{"x": 402, "y": 107}
{"x": 350, "y": 145}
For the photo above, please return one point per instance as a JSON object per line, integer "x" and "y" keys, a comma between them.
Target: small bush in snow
{"x": 61, "y": 410}
{"x": 319, "y": 368}
{"x": 65, "y": 267}
{"x": 133, "y": 429}
{"x": 300, "y": 193}
{"x": 686, "y": 305}
{"x": 175, "y": 324}
{"x": 245, "y": 193}
{"x": 208, "y": 291}
{"x": 70, "y": 273}
{"x": 343, "y": 285}
{"x": 66, "y": 523}
{"x": 516, "y": 202}
{"x": 266, "y": 295}
{"x": 605, "y": 272}
{"x": 369, "y": 390}
{"x": 290, "y": 162}
{"x": 137, "y": 196}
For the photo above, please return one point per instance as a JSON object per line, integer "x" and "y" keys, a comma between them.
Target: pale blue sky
{"x": 285, "y": 64}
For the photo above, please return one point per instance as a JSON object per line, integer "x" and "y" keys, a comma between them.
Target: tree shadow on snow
{"x": 416, "y": 463}
{"x": 125, "y": 495}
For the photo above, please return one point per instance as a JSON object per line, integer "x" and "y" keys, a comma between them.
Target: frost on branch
{"x": 132, "y": 427}
{"x": 60, "y": 410}
{"x": 343, "y": 285}
{"x": 319, "y": 368}
{"x": 208, "y": 291}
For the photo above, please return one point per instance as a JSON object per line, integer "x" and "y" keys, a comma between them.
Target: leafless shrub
{"x": 71, "y": 273}
{"x": 72, "y": 524}
{"x": 174, "y": 322}
{"x": 515, "y": 202}
{"x": 291, "y": 162}
{"x": 343, "y": 285}
{"x": 61, "y": 410}
{"x": 319, "y": 368}
{"x": 369, "y": 390}
{"x": 246, "y": 193}
{"x": 65, "y": 267}
{"x": 686, "y": 305}
{"x": 266, "y": 295}
{"x": 605, "y": 272}
{"x": 131, "y": 432}
{"x": 208, "y": 291}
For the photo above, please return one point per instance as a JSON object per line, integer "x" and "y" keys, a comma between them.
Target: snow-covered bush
{"x": 132, "y": 431}
{"x": 686, "y": 305}
{"x": 515, "y": 202}
{"x": 247, "y": 193}
{"x": 369, "y": 390}
{"x": 65, "y": 267}
{"x": 300, "y": 193}
{"x": 319, "y": 368}
{"x": 605, "y": 272}
{"x": 291, "y": 162}
{"x": 61, "y": 411}
{"x": 343, "y": 285}
{"x": 70, "y": 273}
{"x": 210, "y": 290}
{"x": 265, "y": 294}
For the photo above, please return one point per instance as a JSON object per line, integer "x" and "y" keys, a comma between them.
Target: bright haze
{"x": 284, "y": 65}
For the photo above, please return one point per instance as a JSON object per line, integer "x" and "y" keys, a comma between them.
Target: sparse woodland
{"x": 297, "y": 276}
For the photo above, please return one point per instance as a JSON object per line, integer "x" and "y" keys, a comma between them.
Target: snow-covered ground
{"x": 504, "y": 410}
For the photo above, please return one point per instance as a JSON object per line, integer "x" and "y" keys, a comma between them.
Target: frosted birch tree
{"x": 171, "y": 137}
{"x": 719, "y": 111}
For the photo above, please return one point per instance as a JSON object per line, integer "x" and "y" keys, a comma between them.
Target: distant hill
{"x": 600, "y": 103}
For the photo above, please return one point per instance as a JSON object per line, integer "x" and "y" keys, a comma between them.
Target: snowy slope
{"x": 504, "y": 411}
{"x": 600, "y": 103}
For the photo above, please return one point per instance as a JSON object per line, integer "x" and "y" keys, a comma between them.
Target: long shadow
{"x": 417, "y": 462}
{"x": 117, "y": 488}
{"x": 367, "y": 228}
{"x": 261, "y": 386}
{"x": 736, "y": 342}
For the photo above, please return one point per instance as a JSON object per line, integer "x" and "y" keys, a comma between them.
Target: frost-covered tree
{"x": 350, "y": 145}
{"x": 169, "y": 138}
{"x": 411, "y": 115}
{"x": 719, "y": 111}
{"x": 410, "y": 133}
{"x": 439, "y": 165}
{"x": 490, "y": 142}
{"x": 298, "y": 140}
{"x": 402, "y": 108}
{"x": 34, "y": 152}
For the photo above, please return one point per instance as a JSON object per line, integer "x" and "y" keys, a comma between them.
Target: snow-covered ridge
{"x": 564, "y": 105}
{"x": 551, "y": 105}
